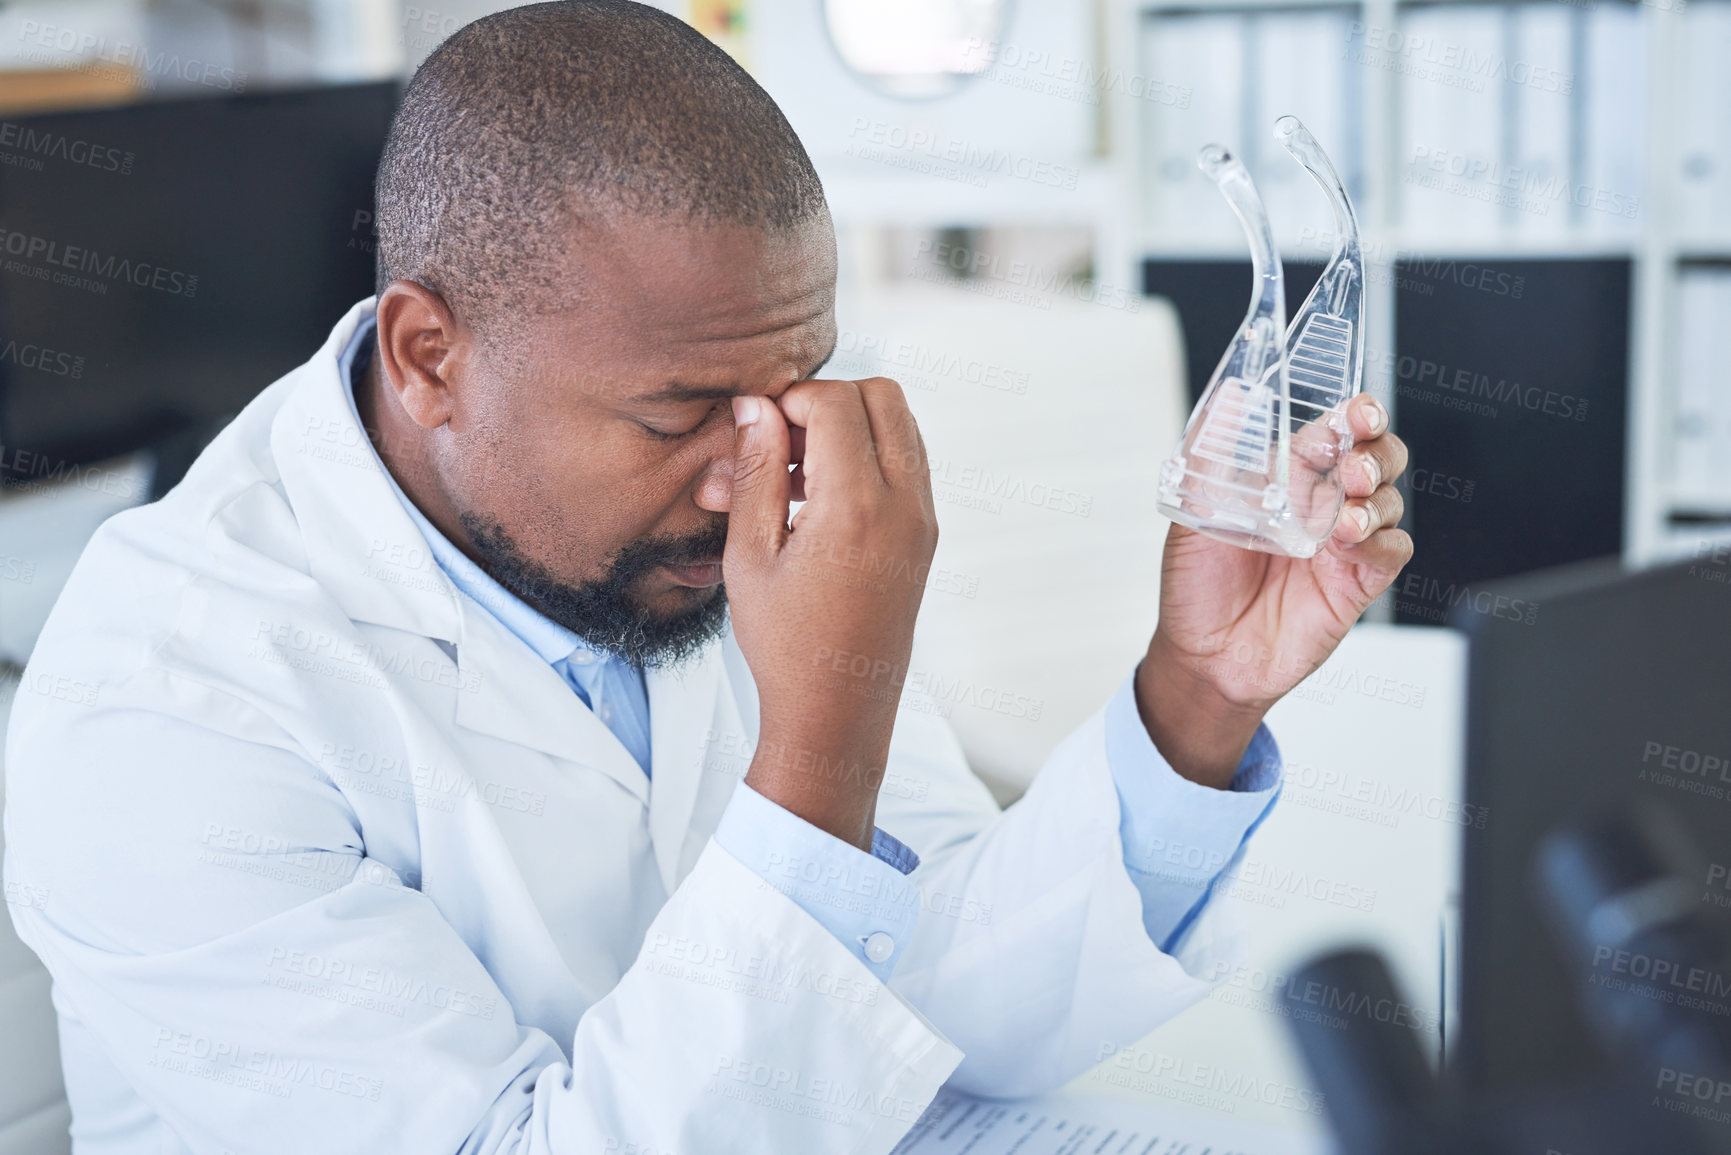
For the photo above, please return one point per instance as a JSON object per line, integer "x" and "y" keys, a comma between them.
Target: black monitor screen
{"x": 161, "y": 263}
{"x": 1590, "y": 694}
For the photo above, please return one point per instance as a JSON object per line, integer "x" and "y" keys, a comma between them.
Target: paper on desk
{"x": 957, "y": 1124}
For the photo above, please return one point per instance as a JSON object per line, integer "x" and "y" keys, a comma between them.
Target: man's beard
{"x": 602, "y": 612}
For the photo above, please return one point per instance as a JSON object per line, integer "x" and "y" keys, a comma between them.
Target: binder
{"x": 1703, "y": 172}
{"x": 1302, "y": 70}
{"x": 1702, "y": 427}
{"x": 1200, "y": 60}
{"x": 1451, "y": 120}
{"x": 1541, "y": 182}
{"x": 1617, "y": 119}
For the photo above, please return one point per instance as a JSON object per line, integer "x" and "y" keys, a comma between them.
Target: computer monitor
{"x": 162, "y": 262}
{"x": 1592, "y": 692}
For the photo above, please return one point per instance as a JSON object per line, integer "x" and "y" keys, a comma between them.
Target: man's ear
{"x": 420, "y": 344}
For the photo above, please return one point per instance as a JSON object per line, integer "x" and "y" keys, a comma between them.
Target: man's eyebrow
{"x": 675, "y": 391}
{"x": 678, "y": 391}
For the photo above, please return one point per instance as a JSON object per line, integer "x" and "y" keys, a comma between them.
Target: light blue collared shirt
{"x": 1180, "y": 838}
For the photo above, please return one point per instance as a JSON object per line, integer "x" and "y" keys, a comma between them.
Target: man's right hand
{"x": 824, "y": 609}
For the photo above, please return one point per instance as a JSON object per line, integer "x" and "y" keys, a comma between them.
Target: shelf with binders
{"x": 1696, "y": 484}
{"x": 1592, "y": 130}
{"x": 1512, "y": 126}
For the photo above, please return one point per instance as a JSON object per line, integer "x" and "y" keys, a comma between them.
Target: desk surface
{"x": 1363, "y": 848}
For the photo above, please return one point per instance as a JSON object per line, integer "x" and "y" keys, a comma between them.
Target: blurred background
{"x": 1028, "y": 246}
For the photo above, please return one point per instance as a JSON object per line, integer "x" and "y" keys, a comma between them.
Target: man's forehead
{"x": 658, "y": 265}
{"x": 699, "y": 305}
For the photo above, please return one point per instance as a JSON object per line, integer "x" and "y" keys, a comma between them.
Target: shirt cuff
{"x": 1179, "y": 836}
{"x": 864, "y": 900}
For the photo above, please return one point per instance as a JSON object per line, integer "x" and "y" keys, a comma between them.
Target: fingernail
{"x": 1378, "y": 417}
{"x": 1372, "y": 470}
{"x": 1360, "y": 518}
{"x": 746, "y": 410}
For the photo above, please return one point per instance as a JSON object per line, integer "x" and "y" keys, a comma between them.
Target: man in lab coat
{"x": 405, "y": 780}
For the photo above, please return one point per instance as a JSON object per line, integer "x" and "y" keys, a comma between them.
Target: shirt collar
{"x": 552, "y": 641}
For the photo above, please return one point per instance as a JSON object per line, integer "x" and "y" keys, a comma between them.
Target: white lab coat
{"x": 322, "y": 859}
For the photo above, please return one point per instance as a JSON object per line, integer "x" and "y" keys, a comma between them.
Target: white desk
{"x": 1363, "y": 848}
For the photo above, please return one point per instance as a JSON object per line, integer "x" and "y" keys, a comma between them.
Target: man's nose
{"x": 715, "y": 487}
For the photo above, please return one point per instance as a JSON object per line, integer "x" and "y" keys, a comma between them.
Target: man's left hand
{"x": 1239, "y": 628}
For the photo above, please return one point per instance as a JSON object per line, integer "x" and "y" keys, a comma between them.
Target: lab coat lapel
{"x": 364, "y": 549}
{"x": 509, "y": 692}
{"x": 360, "y": 544}
{"x": 682, "y": 708}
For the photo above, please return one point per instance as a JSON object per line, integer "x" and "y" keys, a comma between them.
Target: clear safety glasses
{"x": 1258, "y": 463}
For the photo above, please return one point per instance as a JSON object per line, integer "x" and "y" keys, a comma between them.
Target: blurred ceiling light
{"x": 916, "y": 48}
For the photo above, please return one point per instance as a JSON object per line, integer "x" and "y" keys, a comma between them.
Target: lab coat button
{"x": 879, "y": 947}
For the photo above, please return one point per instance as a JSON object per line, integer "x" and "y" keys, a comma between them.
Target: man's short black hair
{"x": 527, "y": 120}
